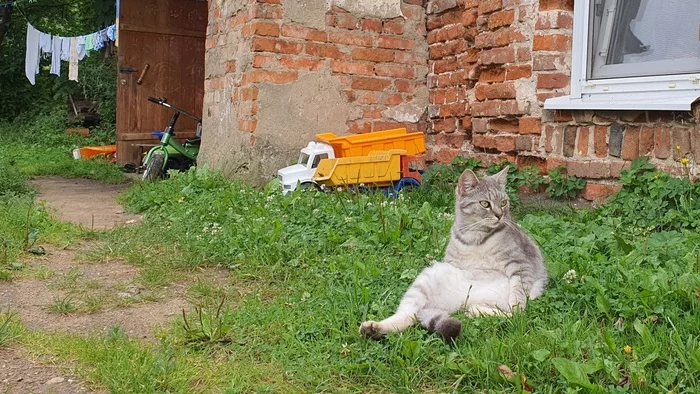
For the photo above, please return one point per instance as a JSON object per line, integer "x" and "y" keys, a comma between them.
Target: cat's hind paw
{"x": 370, "y": 329}
{"x": 449, "y": 329}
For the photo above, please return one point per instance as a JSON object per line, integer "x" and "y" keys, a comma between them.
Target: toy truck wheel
{"x": 306, "y": 186}
{"x": 406, "y": 184}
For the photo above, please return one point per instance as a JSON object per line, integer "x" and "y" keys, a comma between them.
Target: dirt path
{"x": 89, "y": 203}
{"x": 61, "y": 292}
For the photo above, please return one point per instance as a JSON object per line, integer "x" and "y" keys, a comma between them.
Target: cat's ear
{"x": 502, "y": 177}
{"x": 466, "y": 182}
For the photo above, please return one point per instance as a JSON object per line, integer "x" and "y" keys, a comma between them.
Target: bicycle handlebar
{"x": 164, "y": 102}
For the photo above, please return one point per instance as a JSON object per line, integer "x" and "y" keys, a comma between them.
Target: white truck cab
{"x": 302, "y": 173}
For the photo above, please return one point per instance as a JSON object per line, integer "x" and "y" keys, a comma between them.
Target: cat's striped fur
{"x": 490, "y": 267}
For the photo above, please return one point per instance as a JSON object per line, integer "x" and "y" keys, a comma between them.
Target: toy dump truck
{"x": 330, "y": 146}
{"x": 394, "y": 169}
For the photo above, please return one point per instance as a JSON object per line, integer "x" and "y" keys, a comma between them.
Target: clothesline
{"x": 26, "y": 19}
{"x": 71, "y": 49}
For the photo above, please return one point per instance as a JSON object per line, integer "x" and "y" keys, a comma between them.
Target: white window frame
{"x": 663, "y": 92}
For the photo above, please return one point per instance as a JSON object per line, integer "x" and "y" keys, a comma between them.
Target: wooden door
{"x": 161, "y": 54}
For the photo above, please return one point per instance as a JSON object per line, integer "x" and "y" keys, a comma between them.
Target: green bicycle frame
{"x": 169, "y": 145}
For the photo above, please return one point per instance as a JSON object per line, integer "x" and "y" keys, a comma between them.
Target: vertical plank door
{"x": 161, "y": 54}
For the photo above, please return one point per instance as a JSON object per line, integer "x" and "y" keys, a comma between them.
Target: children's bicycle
{"x": 170, "y": 154}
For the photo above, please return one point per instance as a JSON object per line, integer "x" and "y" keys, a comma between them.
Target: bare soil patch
{"x": 21, "y": 375}
{"x": 86, "y": 202}
{"x": 138, "y": 311}
{"x": 105, "y": 294}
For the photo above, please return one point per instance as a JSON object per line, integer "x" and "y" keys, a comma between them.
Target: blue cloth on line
{"x": 112, "y": 32}
{"x": 98, "y": 40}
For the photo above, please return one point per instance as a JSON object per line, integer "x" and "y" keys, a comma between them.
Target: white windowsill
{"x": 638, "y": 101}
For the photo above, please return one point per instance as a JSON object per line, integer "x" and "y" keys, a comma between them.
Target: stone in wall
{"x": 383, "y": 9}
{"x": 289, "y": 117}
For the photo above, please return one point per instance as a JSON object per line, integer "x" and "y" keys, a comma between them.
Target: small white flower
{"x": 340, "y": 189}
{"x": 348, "y": 219}
{"x": 570, "y": 276}
{"x": 270, "y": 198}
{"x": 315, "y": 211}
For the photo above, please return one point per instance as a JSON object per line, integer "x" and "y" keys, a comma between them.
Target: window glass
{"x": 632, "y": 38}
{"x": 304, "y": 159}
{"x": 318, "y": 159}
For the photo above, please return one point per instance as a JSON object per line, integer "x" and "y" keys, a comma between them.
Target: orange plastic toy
{"x": 87, "y": 152}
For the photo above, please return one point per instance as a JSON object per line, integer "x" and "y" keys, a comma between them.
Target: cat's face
{"x": 482, "y": 204}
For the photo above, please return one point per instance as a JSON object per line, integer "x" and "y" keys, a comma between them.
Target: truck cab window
{"x": 304, "y": 159}
{"x": 318, "y": 159}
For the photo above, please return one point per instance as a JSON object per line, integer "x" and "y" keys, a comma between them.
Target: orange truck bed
{"x": 362, "y": 144}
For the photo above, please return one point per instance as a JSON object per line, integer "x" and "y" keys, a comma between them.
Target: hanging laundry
{"x": 89, "y": 46}
{"x": 56, "y": 56}
{"x": 31, "y": 59}
{"x": 65, "y": 48}
{"x": 81, "y": 47}
{"x": 73, "y": 61}
{"x": 112, "y": 33}
{"x": 98, "y": 40}
{"x": 71, "y": 49}
{"x": 45, "y": 43}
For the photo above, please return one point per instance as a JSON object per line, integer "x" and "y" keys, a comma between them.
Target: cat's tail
{"x": 441, "y": 323}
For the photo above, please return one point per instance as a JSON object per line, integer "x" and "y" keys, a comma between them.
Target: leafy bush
{"x": 654, "y": 200}
{"x": 530, "y": 178}
{"x": 562, "y": 185}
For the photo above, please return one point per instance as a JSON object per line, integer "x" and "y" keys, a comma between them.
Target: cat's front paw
{"x": 370, "y": 329}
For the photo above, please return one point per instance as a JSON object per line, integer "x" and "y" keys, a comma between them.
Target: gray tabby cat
{"x": 490, "y": 267}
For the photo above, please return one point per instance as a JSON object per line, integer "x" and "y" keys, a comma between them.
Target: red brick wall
{"x": 492, "y": 65}
{"x": 379, "y": 63}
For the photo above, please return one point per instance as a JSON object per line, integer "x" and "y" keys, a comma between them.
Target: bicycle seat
{"x": 159, "y": 134}
{"x": 194, "y": 141}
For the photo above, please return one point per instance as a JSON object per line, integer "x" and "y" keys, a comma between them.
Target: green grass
{"x": 10, "y": 328}
{"x": 63, "y": 305}
{"x": 308, "y": 268}
{"x": 40, "y": 146}
{"x": 619, "y": 314}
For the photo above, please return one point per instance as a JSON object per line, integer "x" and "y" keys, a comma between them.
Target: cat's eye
{"x": 484, "y": 204}
{"x": 504, "y": 203}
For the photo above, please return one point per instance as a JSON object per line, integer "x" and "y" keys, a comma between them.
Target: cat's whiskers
{"x": 468, "y": 227}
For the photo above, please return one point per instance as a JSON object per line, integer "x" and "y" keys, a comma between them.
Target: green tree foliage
{"x": 66, "y": 18}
